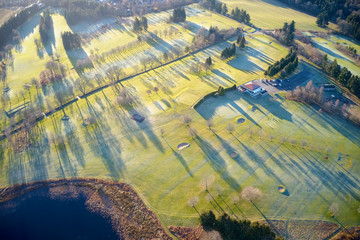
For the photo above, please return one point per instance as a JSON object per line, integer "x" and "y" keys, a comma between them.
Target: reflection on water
{"x": 36, "y": 216}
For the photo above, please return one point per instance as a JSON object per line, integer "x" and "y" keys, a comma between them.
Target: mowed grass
{"x": 328, "y": 46}
{"x": 271, "y": 14}
{"x": 29, "y": 62}
{"x": 119, "y": 148}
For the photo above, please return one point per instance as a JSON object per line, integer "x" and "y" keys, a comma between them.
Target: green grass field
{"x": 328, "y": 46}
{"x": 145, "y": 154}
{"x": 271, "y": 14}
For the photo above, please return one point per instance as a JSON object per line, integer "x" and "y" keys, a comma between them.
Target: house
{"x": 252, "y": 88}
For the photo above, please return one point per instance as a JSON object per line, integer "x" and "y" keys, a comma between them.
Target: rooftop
{"x": 251, "y": 86}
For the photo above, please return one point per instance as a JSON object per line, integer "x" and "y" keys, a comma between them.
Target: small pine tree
{"x": 238, "y": 40}
{"x": 221, "y": 90}
{"x": 242, "y": 42}
{"x": 137, "y": 25}
{"x": 144, "y": 23}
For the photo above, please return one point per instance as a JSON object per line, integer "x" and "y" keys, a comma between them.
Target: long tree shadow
{"x": 180, "y": 158}
{"x": 51, "y": 43}
{"x": 230, "y": 150}
{"x": 147, "y": 129}
{"x": 107, "y": 148}
{"x": 78, "y": 54}
{"x": 38, "y": 153}
{"x": 207, "y": 108}
{"x": 242, "y": 213}
{"x": 272, "y": 105}
{"x": 212, "y": 197}
{"x": 333, "y": 180}
{"x": 223, "y": 75}
{"x": 74, "y": 142}
{"x": 216, "y": 161}
{"x": 233, "y": 213}
{"x": 267, "y": 220}
{"x": 28, "y": 27}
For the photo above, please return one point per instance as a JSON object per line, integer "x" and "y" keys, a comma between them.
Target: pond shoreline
{"x": 117, "y": 202}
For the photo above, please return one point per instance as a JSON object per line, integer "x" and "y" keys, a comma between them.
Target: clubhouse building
{"x": 252, "y": 88}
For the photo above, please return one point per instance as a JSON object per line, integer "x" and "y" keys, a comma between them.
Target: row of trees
{"x": 342, "y": 75}
{"x": 179, "y": 15}
{"x": 289, "y": 63}
{"x": 46, "y": 25}
{"x": 344, "y": 12}
{"x": 240, "y": 15}
{"x": 71, "y": 40}
{"x": 216, "y": 6}
{"x": 78, "y": 10}
{"x": 236, "y": 229}
{"x": 15, "y": 21}
{"x": 140, "y": 24}
{"x": 312, "y": 95}
{"x": 228, "y": 52}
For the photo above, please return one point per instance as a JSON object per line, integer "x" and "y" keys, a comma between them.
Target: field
{"x": 314, "y": 155}
{"x": 328, "y": 46}
{"x": 275, "y": 15}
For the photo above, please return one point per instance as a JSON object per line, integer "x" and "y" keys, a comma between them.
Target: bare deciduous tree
{"x": 210, "y": 123}
{"x": 303, "y": 143}
{"x": 230, "y": 127}
{"x": 251, "y": 193}
{"x": 334, "y": 209}
{"x": 235, "y": 199}
{"x": 193, "y": 201}
{"x": 186, "y": 119}
{"x": 207, "y": 181}
{"x": 292, "y": 141}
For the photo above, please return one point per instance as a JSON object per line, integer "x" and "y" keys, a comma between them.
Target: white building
{"x": 252, "y": 88}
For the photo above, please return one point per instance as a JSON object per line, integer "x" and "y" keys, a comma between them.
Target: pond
{"x": 37, "y": 216}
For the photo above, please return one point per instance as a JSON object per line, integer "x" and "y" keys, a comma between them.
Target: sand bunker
{"x": 281, "y": 188}
{"x": 240, "y": 120}
{"x": 181, "y": 146}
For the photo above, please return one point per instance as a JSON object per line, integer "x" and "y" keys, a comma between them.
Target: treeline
{"x": 46, "y": 25}
{"x": 354, "y": 21}
{"x": 71, "y": 40}
{"x": 343, "y": 76}
{"x": 289, "y": 64}
{"x": 212, "y": 35}
{"x": 240, "y": 15}
{"x": 140, "y": 24}
{"x": 15, "y": 21}
{"x": 179, "y": 15}
{"x": 344, "y": 12}
{"x": 85, "y": 10}
{"x": 234, "y": 229}
{"x": 288, "y": 30}
{"x": 285, "y": 34}
{"x": 216, "y": 6}
{"x": 312, "y": 95}
{"x": 228, "y": 52}
{"x": 79, "y": 10}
